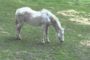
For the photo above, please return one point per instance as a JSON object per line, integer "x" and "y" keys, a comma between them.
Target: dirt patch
{"x": 81, "y": 20}
{"x": 70, "y": 12}
{"x": 75, "y": 16}
{"x": 85, "y": 43}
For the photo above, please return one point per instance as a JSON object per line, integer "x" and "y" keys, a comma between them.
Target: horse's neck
{"x": 56, "y": 24}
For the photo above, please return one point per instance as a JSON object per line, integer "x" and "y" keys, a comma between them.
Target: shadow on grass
{"x": 36, "y": 42}
{"x": 35, "y": 45}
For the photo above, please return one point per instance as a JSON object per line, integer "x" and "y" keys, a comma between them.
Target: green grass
{"x": 30, "y": 48}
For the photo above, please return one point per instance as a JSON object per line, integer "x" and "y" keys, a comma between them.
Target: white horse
{"x": 42, "y": 18}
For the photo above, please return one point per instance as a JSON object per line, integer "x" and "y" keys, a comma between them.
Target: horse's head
{"x": 56, "y": 24}
{"x": 60, "y": 34}
{"x": 59, "y": 29}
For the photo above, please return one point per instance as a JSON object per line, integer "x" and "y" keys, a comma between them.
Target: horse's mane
{"x": 52, "y": 16}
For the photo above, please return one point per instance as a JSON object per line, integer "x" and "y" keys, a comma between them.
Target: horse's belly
{"x": 35, "y": 22}
{"x": 38, "y": 20}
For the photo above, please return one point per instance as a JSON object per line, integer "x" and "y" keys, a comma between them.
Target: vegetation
{"x": 77, "y": 35}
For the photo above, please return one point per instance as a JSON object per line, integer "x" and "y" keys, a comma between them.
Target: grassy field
{"x": 75, "y": 18}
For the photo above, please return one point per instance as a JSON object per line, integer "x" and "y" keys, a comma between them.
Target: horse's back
{"x": 33, "y": 17}
{"x": 23, "y": 10}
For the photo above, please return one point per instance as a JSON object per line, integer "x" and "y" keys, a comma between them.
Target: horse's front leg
{"x": 45, "y": 34}
{"x": 18, "y": 29}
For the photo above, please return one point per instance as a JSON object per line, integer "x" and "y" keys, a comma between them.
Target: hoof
{"x": 62, "y": 41}
{"x": 47, "y": 41}
{"x": 43, "y": 42}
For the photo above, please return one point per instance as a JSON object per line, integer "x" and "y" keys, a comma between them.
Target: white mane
{"x": 52, "y": 16}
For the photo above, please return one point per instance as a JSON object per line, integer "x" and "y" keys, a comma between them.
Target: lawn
{"x": 74, "y": 17}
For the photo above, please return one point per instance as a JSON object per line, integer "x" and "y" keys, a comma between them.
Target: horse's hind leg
{"x": 18, "y": 29}
{"x": 43, "y": 30}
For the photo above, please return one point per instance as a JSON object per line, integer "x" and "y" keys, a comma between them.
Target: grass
{"x": 30, "y": 48}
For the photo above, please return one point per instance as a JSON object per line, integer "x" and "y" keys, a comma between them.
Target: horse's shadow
{"x": 32, "y": 43}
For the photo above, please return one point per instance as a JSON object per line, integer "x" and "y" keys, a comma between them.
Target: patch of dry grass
{"x": 80, "y": 20}
{"x": 85, "y": 43}
{"x": 75, "y": 16}
{"x": 70, "y": 12}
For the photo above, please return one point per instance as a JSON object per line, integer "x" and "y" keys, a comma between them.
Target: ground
{"x": 74, "y": 17}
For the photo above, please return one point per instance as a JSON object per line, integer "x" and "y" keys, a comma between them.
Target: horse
{"x": 43, "y": 18}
